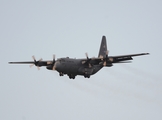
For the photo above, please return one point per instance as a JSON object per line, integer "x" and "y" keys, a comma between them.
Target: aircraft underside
{"x": 83, "y": 71}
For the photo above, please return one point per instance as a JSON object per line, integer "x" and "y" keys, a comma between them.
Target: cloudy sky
{"x": 71, "y": 28}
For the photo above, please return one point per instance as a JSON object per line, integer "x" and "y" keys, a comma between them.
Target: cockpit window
{"x": 61, "y": 60}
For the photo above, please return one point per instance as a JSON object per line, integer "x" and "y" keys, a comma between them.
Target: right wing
{"x": 36, "y": 63}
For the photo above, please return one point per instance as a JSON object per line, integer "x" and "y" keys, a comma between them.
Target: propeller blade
{"x": 106, "y": 58}
{"x": 87, "y": 61}
{"x": 54, "y": 68}
{"x": 107, "y": 52}
{"x": 53, "y": 57}
{"x": 83, "y": 62}
{"x": 38, "y": 68}
{"x": 104, "y": 63}
{"x": 36, "y": 62}
{"x": 34, "y": 58}
{"x": 31, "y": 65}
{"x": 87, "y": 55}
{"x": 40, "y": 59}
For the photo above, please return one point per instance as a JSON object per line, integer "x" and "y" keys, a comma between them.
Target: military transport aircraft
{"x": 85, "y": 67}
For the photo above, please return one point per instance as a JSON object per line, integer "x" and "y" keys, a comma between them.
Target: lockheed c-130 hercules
{"x": 85, "y": 67}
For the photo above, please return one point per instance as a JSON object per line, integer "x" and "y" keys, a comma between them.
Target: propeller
{"x": 88, "y": 60}
{"x": 87, "y": 55}
{"x": 106, "y": 58}
{"x": 53, "y": 63}
{"x": 36, "y": 62}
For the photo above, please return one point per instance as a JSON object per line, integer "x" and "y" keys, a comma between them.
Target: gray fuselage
{"x": 75, "y": 67}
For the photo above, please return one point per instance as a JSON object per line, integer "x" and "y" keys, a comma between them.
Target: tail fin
{"x": 103, "y": 48}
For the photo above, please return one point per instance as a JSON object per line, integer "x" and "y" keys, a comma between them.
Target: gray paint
{"x": 84, "y": 67}
{"x": 71, "y": 28}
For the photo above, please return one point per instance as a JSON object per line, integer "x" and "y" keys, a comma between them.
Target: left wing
{"x": 118, "y": 59}
{"x": 108, "y": 61}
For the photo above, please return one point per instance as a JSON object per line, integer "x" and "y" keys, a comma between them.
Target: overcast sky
{"x": 70, "y": 28}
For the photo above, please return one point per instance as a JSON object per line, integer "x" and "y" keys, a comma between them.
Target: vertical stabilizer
{"x": 103, "y": 48}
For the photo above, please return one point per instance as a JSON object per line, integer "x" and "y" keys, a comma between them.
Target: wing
{"x": 111, "y": 59}
{"x": 118, "y": 59}
{"x": 37, "y": 63}
{"x": 21, "y": 62}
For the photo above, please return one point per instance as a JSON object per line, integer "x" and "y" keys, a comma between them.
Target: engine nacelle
{"x": 49, "y": 67}
{"x": 109, "y": 64}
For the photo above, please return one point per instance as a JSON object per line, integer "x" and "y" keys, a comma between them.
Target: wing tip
{"x": 146, "y": 53}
